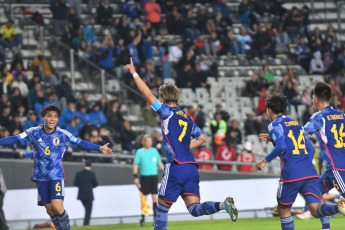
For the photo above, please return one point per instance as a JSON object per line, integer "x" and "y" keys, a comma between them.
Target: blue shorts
{"x": 50, "y": 190}
{"x": 332, "y": 179}
{"x": 177, "y": 180}
{"x": 288, "y": 191}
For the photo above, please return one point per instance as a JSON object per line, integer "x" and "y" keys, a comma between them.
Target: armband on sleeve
{"x": 156, "y": 105}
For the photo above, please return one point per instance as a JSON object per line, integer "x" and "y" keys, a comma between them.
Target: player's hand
{"x": 265, "y": 137}
{"x": 106, "y": 150}
{"x": 260, "y": 165}
{"x": 130, "y": 67}
{"x": 21, "y": 154}
{"x": 136, "y": 181}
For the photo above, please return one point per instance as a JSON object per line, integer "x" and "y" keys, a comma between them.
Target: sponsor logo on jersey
{"x": 58, "y": 194}
{"x": 56, "y": 140}
{"x": 40, "y": 139}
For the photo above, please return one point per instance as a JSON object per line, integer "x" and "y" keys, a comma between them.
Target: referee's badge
{"x": 56, "y": 140}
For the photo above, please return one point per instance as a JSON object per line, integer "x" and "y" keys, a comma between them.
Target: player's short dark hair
{"x": 322, "y": 91}
{"x": 50, "y": 107}
{"x": 88, "y": 162}
{"x": 276, "y": 102}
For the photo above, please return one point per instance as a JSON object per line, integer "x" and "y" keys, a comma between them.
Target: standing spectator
{"x": 250, "y": 125}
{"x": 3, "y": 189}
{"x": 200, "y": 117}
{"x": 128, "y": 137}
{"x": 19, "y": 70}
{"x": 36, "y": 94}
{"x": 225, "y": 114}
{"x": 9, "y": 36}
{"x": 147, "y": 159}
{"x": 218, "y": 130}
{"x": 233, "y": 134}
{"x": 291, "y": 95}
{"x": 106, "y": 59}
{"x": 174, "y": 22}
{"x": 252, "y": 88}
{"x": 104, "y": 13}
{"x": 60, "y": 16}
{"x": 246, "y": 156}
{"x": 203, "y": 154}
{"x": 225, "y": 153}
{"x": 73, "y": 19}
{"x": 64, "y": 91}
{"x": 292, "y": 23}
{"x": 223, "y": 8}
{"x": 164, "y": 56}
{"x": 86, "y": 180}
{"x": 153, "y": 15}
{"x": 261, "y": 104}
{"x": 88, "y": 31}
{"x": 132, "y": 9}
{"x": 115, "y": 115}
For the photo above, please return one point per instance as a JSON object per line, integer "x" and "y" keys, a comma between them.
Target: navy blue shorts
{"x": 332, "y": 179}
{"x": 50, "y": 190}
{"x": 179, "y": 180}
{"x": 288, "y": 191}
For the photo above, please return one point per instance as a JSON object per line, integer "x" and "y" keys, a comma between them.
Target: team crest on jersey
{"x": 56, "y": 140}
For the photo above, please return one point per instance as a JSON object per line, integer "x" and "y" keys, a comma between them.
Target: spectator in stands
{"x": 246, "y": 156}
{"x": 5, "y": 72}
{"x": 190, "y": 25}
{"x": 225, "y": 114}
{"x": 115, "y": 115}
{"x": 84, "y": 115}
{"x": 60, "y": 16}
{"x": 223, "y": 8}
{"x": 77, "y": 39}
{"x": 230, "y": 44}
{"x": 330, "y": 32}
{"x": 225, "y": 153}
{"x": 292, "y": 95}
{"x": 341, "y": 59}
{"x": 2, "y": 55}
{"x": 84, "y": 101}
{"x": 330, "y": 47}
{"x": 150, "y": 118}
{"x": 316, "y": 64}
{"x": 32, "y": 82}
{"x": 244, "y": 41}
{"x": 175, "y": 54}
{"x": 15, "y": 125}
{"x": 5, "y": 88}
{"x": 203, "y": 153}
{"x": 97, "y": 117}
{"x": 264, "y": 44}
{"x": 5, "y": 116}
{"x": 276, "y": 36}
{"x": 328, "y": 67}
{"x": 128, "y": 137}
{"x": 190, "y": 112}
{"x": 22, "y": 114}
{"x": 17, "y": 100}
{"x": 268, "y": 74}
{"x": 317, "y": 46}
{"x": 88, "y": 30}
{"x": 104, "y": 13}
{"x": 214, "y": 45}
{"x": 218, "y": 130}
{"x": 305, "y": 19}
{"x": 261, "y": 103}
{"x": 64, "y": 91}
{"x": 21, "y": 85}
{"x": 148, "y": 74}
{"x": 51, "y": 99}
{"x": 185, "y": 76}
{"x": 121, "y": 57}
{"x": 200, "y": 117}
{"x": 164, "y": 56}
{"x": 264, "y": 83}
{"x": 233, "y": 134}
{"x": 133, "y": 46}
{"x": 175, "y": 21}
{"x": 42, "y": 65}
{"x": 67, "y": 114}
{"x": 250, "y": 125}
{"x": 252, "y": 88}
{"x": 4, "y": 101}
{"x": 106, "y": 59}
{"x": 335, "y": 89}
{"x": 31, "y": 121}
{"x": 103, "y": 104}
{"x": 292, "y": 23}
{"x": 36, "y": 95}
{"x": 73, "y": 19}
{"x": 19, "y": 70}
{"x": 84, "y": 49}
{"x": 302, "y": 52}
{"x": 9, "y": 37}
{"x": 73, "y": 126}
{"x": 307, "y": 114}
{"x": 200, "y": 77}
{"x": 306, "y": 99}
{"x": 153, "y": 14}
{"x": 132, "y": 8}
{"x": 263, "y": 123}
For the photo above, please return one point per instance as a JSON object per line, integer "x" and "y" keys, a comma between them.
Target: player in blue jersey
{"x": 298, "y": 174}
{"x": 49, "y": 143}
{"x": 328, "y": 125}
{"x": 181, "y": 177}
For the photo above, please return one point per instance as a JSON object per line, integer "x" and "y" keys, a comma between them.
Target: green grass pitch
{"x": 337, "y": 223}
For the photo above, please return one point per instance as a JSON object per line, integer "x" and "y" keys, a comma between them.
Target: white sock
{"x": 222, "y": 205}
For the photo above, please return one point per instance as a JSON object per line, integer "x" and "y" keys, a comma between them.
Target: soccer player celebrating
{"x": 298, "y": 174}
{"x": 328, "y": 124}
{"x": 181, "y": 175}
{"x": 49, "y": 143}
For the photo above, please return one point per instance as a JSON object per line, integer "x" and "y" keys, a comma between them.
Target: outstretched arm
{"x": 144, "y": 90}
{"x": 9, "y": 140}
{"x": 90, "y": 146}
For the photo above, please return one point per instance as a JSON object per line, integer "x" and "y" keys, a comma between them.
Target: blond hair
{"x": 169, "y": 92}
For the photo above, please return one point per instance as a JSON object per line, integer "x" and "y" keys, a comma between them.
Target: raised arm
{"x": 143, "y": 88}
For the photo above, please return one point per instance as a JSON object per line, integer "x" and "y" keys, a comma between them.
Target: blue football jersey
{"x": 328, "y": 125}
{"x": 295, "y": 161}
{"x": 178, "y": 130}
{"x": 48, "y": 151}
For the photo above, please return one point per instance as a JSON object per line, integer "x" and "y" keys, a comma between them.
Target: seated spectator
{"x": 263, "y": 44}
{"x": 175, "y": 53}
{"x": 244, "y": 41}
{"x": 88, "y": 30}
{"x": 316, "y": 64}
{"x": 77, "y": 39}
{"x": 17, "y": 100}
{"x": 252, "y": 88}
{"x": 292, "y": 96}
{"x": 268, "y": 74}
{"x": 73, "y": 19}
{"x": 214, "y": 45}
{"x": 223, "y": 8}
{"x": 4, "y": 86}
{"x": 148, "y": 74}
{"x": 276, "y": 87}
{"x": 5, "y": 116}
{"x": 225, "y": 153}
{"x": 328, "y": 62}
{"x": 262, "y": 123}
{"x": 132, "y": 8}
{"x": 64, "y": 91}
{"x": 330, "y": 47}
{"x": 84, "y": 101}
{"x": 190, "y": 112}
{"x": 22, "y": 115}
{"x": 128, "y": 137}
{"x": 7, "y": 74}
{"x": 115, "y": 115}
{"x": 21, "y": 85}
{"x": 185, "y": 76}
{"x": 68, "y": 114}
{"x": 74, "y": 126}
{"x": 276, "y": 36}
{"x": 203, "y": 154}
{"x": 225, "y": 114}
{"x": 153, "y": 14}
{"x": 9, "y": 37}
{"x": 15, "y": 125}
{"x": 41, "y": 65}
{"x": 306, "y": 99}
{"x": 175, "y": 21}
{"x": 36, "y": 95}
{"x": 84, "y": 115}
{"x": 84, "y": 50}
{"x": 200, "y": 117}
{"x": 302, "y": 52}
{"x": 19, "y": 70}
{"x": 246, "y": 15}
{"x": 233, "y": 134}
{"x": 51, "y": 99}
{"x": 291, "y": 76}
{"x": 307, "y": 114}
{"x": 335, "y": 89}
{"x": 292, "y": 23}
{"x": 200, "y": 77}
{"x": 341, "y": 59}
{"x": 261, "y": 104}
{"x": 250, "y": 125}
{"x": 246, "y": 156}
{"x": 97, "y": 117}
{"x": 104, "y": 13}
{"x": 191, "y": 25}
{"x": 229, "y": 43}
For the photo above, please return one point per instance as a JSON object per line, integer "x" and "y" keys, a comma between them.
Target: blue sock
{"x": 325, "y": 222}
{"x": 327, "y": 209}
{"x": 206, "y": 208}
{"x": 64, "y": 220}
{"x": 55, "y": 221}
{"x": 161, "y": 220}
{"x": 287, "y": 223}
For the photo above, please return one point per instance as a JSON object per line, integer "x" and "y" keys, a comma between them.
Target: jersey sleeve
{"x": 137, "y": 158}
{"x": 69, "y": 140}
{"x": 196, "y": 131}
{"x": 163, "y": 110}
{"x": 24, "y": 138}
{"x": 277, "y": 136}
{"x": 315, "y": 123}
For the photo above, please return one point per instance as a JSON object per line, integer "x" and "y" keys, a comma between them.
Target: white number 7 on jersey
{"x": 184, "y": 124}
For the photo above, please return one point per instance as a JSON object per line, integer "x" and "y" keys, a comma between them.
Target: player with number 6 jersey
{"x": 181, "y": 177}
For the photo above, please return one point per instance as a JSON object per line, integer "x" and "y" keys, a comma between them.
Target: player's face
{"x": 50, "y": 120}
{"x": 315, "y": 103}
